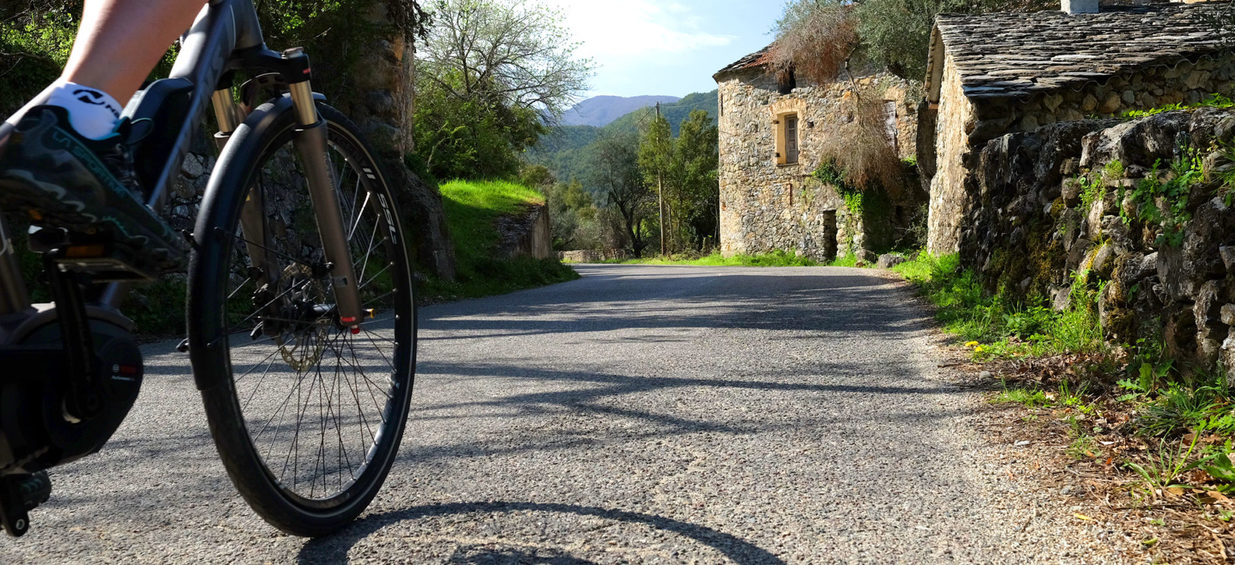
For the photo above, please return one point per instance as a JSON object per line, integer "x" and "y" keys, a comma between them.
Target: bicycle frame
{"x": 226, "y": 37}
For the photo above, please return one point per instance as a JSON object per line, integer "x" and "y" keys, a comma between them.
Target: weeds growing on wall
{"x": 1164, "y": 203}
{"x": 1213, "y": 101}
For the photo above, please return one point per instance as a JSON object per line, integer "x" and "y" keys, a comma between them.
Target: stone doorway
{"x": 828, "y": 243}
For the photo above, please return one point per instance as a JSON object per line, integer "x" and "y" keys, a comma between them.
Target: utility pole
{"x": 660, "y": 192}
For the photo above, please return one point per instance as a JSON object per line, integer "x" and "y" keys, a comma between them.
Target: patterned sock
{"x": 93, "y": 113}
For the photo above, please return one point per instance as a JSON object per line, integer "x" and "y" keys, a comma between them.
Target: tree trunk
{"x": 382, "y": 103}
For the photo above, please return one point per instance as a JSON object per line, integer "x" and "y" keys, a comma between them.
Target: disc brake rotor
{"x": 303, "y": 348}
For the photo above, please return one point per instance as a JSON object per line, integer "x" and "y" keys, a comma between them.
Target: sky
{"x": 651, "y": 47}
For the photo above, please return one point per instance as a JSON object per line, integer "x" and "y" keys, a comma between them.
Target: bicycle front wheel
{"x": 307, "y": 416}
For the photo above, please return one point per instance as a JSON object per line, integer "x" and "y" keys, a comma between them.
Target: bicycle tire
{"x": 314, "y": 360}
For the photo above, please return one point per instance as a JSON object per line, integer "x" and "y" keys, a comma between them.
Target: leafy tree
{"x": 896, "y": 34}
{"x": 514, "y": 51}
{"x": 491, "y": 74}
{"x": 697, "y": 159}
{"x": 469, "y": 137}
{"x": 656, "y": 164}
{"x": 616, "y": 170}
{"x": 573, "y": 215}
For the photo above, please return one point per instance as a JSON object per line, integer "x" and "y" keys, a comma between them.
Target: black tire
{"x": 312, "y": 468}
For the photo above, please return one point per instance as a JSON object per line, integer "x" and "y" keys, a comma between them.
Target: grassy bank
{"x": 472, "y": 210}
{"x": 1000, "y": 327}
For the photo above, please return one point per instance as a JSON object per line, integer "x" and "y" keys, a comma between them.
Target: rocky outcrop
{"x": 526, "y": 234}
{"x": 1140, "y": 207}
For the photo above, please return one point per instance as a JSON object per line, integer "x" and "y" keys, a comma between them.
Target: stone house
{"x": 993, "y": 74}
{"x": 771, "y": 126}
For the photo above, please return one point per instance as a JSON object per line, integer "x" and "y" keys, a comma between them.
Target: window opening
{"x": 791, "y": 139}
{"x": 786, "y": 81}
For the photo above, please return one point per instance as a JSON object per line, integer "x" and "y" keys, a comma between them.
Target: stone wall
{"x": 1071, "y": 198}
{"x": 765, "y": 206}
{"x": 526, "y": 235}
{"x": 959, "y": 138}
{"x": 592, "y": 255}
{"x": 947, "y": 197}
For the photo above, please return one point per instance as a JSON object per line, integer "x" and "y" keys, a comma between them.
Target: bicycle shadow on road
{"x": 334, "y": 549}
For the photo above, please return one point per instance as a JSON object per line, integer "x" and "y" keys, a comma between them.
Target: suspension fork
{"x": 311, "y": 147}
{"x": 228, "y": 114}
{"x": 310, "y": 144}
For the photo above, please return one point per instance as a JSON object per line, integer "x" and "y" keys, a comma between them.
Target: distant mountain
{"x": 567, "y": 150}
{"x": 599, "y": 111}
{"x": 676, "y": 113}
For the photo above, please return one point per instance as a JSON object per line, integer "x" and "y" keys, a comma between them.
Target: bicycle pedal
{"x": 104, "y": 260}
{"x": 19, "y": 494}
{"x": 107, "y": 269}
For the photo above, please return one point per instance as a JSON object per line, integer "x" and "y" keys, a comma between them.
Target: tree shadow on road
{"x": 822, "y": 305}
{"x": 334, "y": 549}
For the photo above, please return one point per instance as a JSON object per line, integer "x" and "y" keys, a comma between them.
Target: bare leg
{"x": 119, "y": 41}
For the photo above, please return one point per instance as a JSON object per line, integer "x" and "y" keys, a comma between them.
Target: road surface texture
{"x": 638, "y": 415}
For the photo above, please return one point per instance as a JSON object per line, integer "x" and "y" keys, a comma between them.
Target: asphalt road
{"x": 640, "y": 414}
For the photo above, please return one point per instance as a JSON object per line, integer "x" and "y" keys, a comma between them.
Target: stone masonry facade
{"x": 767, "y": 204}
{"x": 994, "y": 74}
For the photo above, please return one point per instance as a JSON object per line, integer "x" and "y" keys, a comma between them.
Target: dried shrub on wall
{"x": 815, "y": 39}
{"x": 860, "y": 150}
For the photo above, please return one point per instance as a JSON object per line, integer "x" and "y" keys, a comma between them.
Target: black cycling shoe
{"x": 87, "y": 187}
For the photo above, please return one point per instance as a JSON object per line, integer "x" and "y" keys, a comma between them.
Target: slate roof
{"x": 1019, "y": 54}
{"x": 754, "y": 60}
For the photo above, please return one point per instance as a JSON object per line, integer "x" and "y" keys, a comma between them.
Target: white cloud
{"x": 616, "y": 33}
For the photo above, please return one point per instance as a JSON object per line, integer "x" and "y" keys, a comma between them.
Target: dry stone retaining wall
{"x": 965, "y": 127}
{"x": 1064, "y": 199}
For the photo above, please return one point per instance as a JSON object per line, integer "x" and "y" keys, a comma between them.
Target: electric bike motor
{"x": 36, "y": 431}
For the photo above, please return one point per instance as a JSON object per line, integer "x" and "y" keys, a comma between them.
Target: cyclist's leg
{"x": 68, "y": 159}
{"x": 117, "y": 44}
{"x": 119, "y": 41}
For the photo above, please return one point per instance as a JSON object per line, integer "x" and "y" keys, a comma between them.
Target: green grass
{"x": 472, "y": 210}
{"x": 1029, "y": 398}
{"x": 1003, "y": 328}
{"x": 847, "y": 260}
{"x": 771, "y": 259}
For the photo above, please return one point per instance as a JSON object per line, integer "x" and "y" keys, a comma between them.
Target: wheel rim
{"x": 319, "y": 403}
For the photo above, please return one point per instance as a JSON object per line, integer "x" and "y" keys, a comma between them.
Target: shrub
{"x": 815, "y": 39}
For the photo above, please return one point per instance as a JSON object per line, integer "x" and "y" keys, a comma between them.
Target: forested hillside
{"x": 567, "y": 150}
